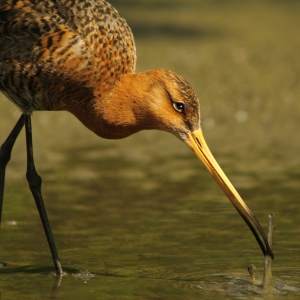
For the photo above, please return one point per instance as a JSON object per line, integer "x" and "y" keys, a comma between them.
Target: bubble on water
{"x": 11, "y": 223}
{"x": 241, "y": 116}
{"x": 209, "y": 123}
{"x": 84, "y": 275}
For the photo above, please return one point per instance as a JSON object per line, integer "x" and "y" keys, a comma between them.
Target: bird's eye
{"x": 179, "y": 106}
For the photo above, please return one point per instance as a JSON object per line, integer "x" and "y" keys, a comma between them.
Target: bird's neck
{"x": 120, "y": 111}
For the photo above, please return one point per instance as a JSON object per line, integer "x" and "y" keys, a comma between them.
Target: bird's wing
{"x": 84, "y": 42}
{"x": 27, "y": 27}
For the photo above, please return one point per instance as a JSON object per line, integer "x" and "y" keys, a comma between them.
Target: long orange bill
{"x": 197, "y": 143}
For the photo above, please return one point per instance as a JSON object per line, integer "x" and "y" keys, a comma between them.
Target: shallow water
{"x": 141, "y": 217}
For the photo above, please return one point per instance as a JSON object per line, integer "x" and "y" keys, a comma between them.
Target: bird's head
{"x": 172, "y": 104}
{"x": 156, "y": 99}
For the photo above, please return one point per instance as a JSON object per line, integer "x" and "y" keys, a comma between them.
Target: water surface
{"x": 142, "y": 214}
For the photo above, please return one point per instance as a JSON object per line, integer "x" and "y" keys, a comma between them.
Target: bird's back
{"x": 52, "y": 52}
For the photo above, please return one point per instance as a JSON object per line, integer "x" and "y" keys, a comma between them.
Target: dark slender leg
{"x": 35, "y": 183}
{"x": 5, "y": 153}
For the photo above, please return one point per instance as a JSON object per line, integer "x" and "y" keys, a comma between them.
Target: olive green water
{"x": 142, "y": 214}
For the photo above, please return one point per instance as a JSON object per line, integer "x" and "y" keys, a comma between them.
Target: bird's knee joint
{"x": 34, "y": 179}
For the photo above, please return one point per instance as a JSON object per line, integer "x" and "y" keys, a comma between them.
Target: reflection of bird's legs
{"x": 5, "y": 153}
{"x": 35, "y": 183}
{"x": 56, "y": 285}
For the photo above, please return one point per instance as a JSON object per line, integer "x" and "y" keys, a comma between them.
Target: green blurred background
{"x": 143, "y": 207}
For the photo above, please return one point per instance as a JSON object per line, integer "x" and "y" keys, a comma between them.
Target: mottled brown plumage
{"x": 55, "y": 50}
{"x": 80, "y": 56}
